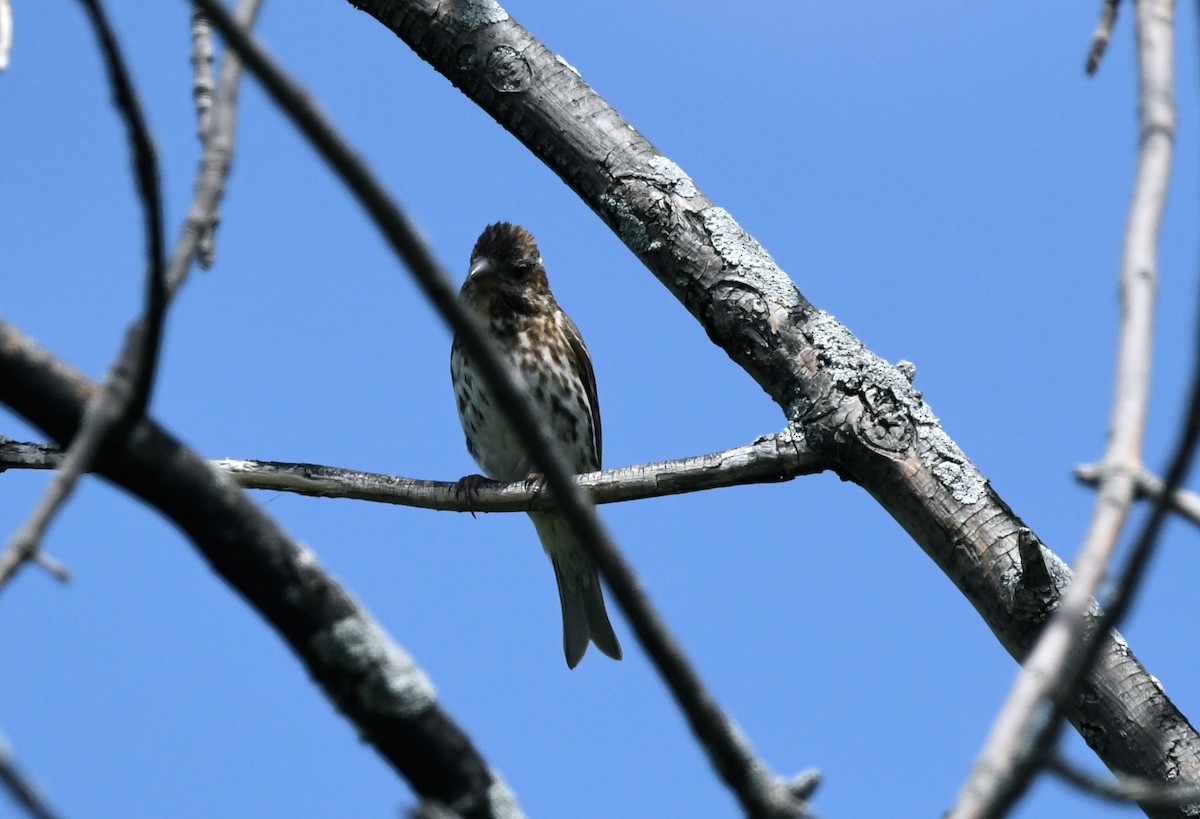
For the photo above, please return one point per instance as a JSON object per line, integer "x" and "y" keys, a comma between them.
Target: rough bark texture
{"x": 371, "y": 681}
{"x": 855, "y": 409}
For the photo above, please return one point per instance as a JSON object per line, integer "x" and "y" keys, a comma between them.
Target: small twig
{"x": 216, "y": 126}
{"x": 53, "y": 567}
{"x": 769, "y": 459}
{"x": 1102, "y": 34}
{"x": 1184, "y": 502}
{"x": 761, "y": 793}
{"x": 1126, "y": 788}
{"x": 202, "y": 75}
{"x": 19, "y": 787}
{"x": 804, "y": 784}
{"x": 126, "y": 391}
{"x": 1034, "y": 574}
{"x": 1034, "y": 592}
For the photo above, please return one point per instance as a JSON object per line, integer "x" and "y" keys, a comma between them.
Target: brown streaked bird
{"x": 507, "y": 287}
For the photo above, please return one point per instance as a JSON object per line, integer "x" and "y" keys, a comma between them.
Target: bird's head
{"x": 506, "y": 263}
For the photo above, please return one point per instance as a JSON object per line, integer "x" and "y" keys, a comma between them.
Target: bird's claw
{"x": 467, "y": 488}
{"x": 535, "y": 483}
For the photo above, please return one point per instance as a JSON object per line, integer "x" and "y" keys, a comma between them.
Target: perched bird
{"x": 507, "y": 287}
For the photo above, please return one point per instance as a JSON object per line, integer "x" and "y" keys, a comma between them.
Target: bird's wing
{"x": 588, "y": 376}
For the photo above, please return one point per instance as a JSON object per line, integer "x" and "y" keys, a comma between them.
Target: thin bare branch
{"x": 762, "y": 793}
{"x": 51, "y": 566}
{"x": 29, "y": 455}
{"x": 202, "y": 75}
{"x": 128, "y": 386}
{"x": 1082, "y": 657}
{"x": 145, "y": 166}
{"x": 1102, "y": 34}
{"x": 769, "y": 459}
{"x": 1007, "y": 761}
{"x": 216, "y": 128}
{"x": 1183, "y": 502}
{"x": 19, "y": 787}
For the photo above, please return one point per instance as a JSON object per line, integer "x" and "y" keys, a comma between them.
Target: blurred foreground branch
{"x": 369, "y": 678}
{"x": 19, "y": 787}
{"x": 1186, "y": 503}
{"x": 1064, "y": 651}
{"x": 128, "y": 385}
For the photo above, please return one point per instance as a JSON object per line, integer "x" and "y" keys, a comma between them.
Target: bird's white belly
{"x": 491, "y": 439}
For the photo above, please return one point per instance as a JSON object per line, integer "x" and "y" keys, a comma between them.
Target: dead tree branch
{"x": 769, "y": 459}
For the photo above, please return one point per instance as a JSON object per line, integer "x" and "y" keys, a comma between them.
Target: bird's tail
{"x": 583, "y": 614}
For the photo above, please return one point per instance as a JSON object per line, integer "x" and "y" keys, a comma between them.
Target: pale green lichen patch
{"x": 390, "y": 681}
{"x": 677, "y": 181}
{"x": 951, "y": 467}
{"x": 630, "y": 227}
{"x": 742, "y": 251}
{"x": 852, "y": 367}
{"x": 844, "y": 357}
{"x": 479, "y": 13}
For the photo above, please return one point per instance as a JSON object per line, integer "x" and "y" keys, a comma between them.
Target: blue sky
{"x": 942, "y": 177}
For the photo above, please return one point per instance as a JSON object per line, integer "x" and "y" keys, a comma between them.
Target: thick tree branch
{"x": 855, "y": 410}
{"x": 769, "y": 459}
{"x": 367, "y": 677}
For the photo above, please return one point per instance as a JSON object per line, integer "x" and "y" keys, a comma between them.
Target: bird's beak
{"x": 481, "y": 266}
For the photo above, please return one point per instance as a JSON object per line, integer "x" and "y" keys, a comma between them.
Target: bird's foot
{"x": 536, "y": 483}
{"x": 467, "y": 488}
